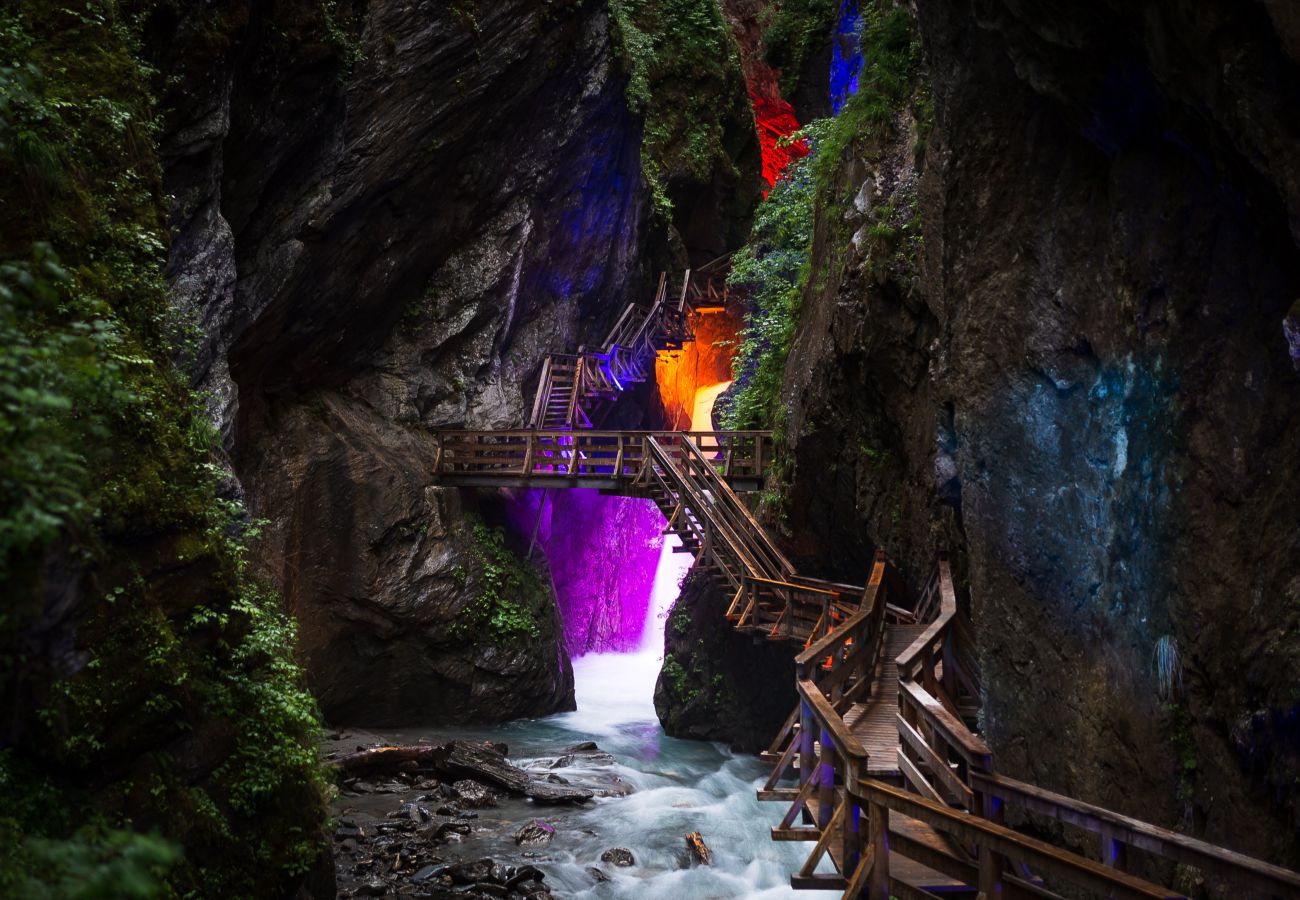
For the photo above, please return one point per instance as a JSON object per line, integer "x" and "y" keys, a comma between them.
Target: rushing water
{"x": 679, "y": 786}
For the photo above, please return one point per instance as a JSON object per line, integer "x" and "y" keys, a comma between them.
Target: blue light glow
{"x": 846, "y": 55}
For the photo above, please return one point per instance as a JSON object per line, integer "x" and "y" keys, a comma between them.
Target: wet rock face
{"x": 382, "y": 249}
{"x": 1090, "y": 391}
{"x": 718, "y": 684}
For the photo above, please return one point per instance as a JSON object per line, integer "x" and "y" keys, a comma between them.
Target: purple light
{"x": 602, "y": 552}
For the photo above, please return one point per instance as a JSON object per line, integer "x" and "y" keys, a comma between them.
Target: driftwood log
{"x": 460, "y": 759}
{"x": 699, "y": 849}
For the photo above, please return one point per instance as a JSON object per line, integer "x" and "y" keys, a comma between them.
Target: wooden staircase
{"x": 892, "y": 785}
{"x": 575, "y": 390}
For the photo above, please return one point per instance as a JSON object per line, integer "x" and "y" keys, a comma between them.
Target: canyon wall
{"x": 385, "y": 251}
{"x": 1080, "y": 381}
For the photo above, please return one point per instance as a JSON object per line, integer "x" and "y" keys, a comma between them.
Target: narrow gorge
{"x": 649, "y": 448}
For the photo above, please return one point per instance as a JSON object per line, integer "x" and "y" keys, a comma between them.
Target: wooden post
{"x": 538, "y": 523}
{"x": 573, "y": 457}
{"x": 806, "y": 763}
{"x": 826, "y": 782}
{"x": 528, "y": 455}
{"x": 927, "y": 672}
{"x": 878, "y": 880}
{"x": 1114, "y": 852}
{"x": 851, "y": 851}
{"x": 950, "y": 681}
{"x": 991, "y": 863}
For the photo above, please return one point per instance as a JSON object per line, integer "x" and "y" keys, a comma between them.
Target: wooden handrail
{"x": 954, "y": 730}
{"x": 845, "y": 741}
{"x": 997, "y": 840}
{"x": 1242, "y": 869}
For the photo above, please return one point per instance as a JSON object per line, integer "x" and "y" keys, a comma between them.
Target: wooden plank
{"x": 960, "y": 870}
{"x": 954, "y": 730}
{"x": 827, "y": 718}
{"x": 818, "y": 882}
{"x": 918, "y": 781}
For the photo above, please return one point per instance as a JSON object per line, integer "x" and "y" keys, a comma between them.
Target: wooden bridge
{"x": 891, "y": 784}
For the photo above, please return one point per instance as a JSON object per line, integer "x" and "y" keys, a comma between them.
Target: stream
{"x": 679, "y": 786}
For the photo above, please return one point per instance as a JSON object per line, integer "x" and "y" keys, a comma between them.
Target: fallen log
{"x": 455, "y": 760}
{"x": 388, "y": 759}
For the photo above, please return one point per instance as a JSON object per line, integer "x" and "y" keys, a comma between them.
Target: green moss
{"x": 108, "y": 484}
{"x": 511, "y": 598}
{"x": 679, "y": 621}
{"x": 778, "y": 265}
{"x": 772, "y": 270}
{"x": 684, "y": 75}
{"x": 793, "y": 31}
{"x": 677, "y": 681}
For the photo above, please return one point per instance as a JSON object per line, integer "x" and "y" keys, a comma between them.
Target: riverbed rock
{"x": 597, "y": 875}
{"x": 535, "y": 834}
{"x": 472, "y": 794}
{"x": 619, "y": 856}
{"x": 547, "y": 793}
{"x": 716, "y": 683}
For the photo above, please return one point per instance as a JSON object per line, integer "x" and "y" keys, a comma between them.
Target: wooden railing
{"x": 573, "y": 387}
{"x": 938, "y": 752}
{"x": 701, "y": 506}
{"x": 832, "y": 674}
{"x": 478, "y": 457}
{"x": 950, "y": 783}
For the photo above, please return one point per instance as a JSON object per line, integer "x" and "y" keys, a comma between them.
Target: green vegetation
{"x": 773, "y": 270}
{"x": 793, "y": 31}
{"x": 511, "y": 596}
{"x": 888, "y": 84}
{"x": 777, "y": 265}
{"x": 172, "y": 749}
{"x": 677, "y": 681}
{"x": 680, "y": 620}
{"x": 684, "y": 75}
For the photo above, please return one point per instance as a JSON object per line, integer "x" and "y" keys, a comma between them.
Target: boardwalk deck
{"x": 875, "y": 723}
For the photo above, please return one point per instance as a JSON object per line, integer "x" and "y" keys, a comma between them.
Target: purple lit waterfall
{"x": 604, "y": 553}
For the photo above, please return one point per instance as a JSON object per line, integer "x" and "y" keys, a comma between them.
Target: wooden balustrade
{"x": 1117, "y": 834}
{"x": 606, "y": 459}
{"x": 949, "y": 821}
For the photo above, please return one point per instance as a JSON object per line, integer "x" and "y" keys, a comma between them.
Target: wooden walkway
{"x": 892, "y": 783}
{"x": 875, "y": 723}
{"x": 576, "y": 390}
{"x": 916, "y": 810}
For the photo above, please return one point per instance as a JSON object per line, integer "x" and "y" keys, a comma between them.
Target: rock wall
{"x": 1084, "y": 386}
{"x": 383, "y": 224}
{"x": 717, "y": 684}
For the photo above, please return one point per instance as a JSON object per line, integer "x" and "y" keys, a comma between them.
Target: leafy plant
{"x": 684, "y": 76}
{"x": 772, "y": 271}
{"x": 510, "y": 593}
